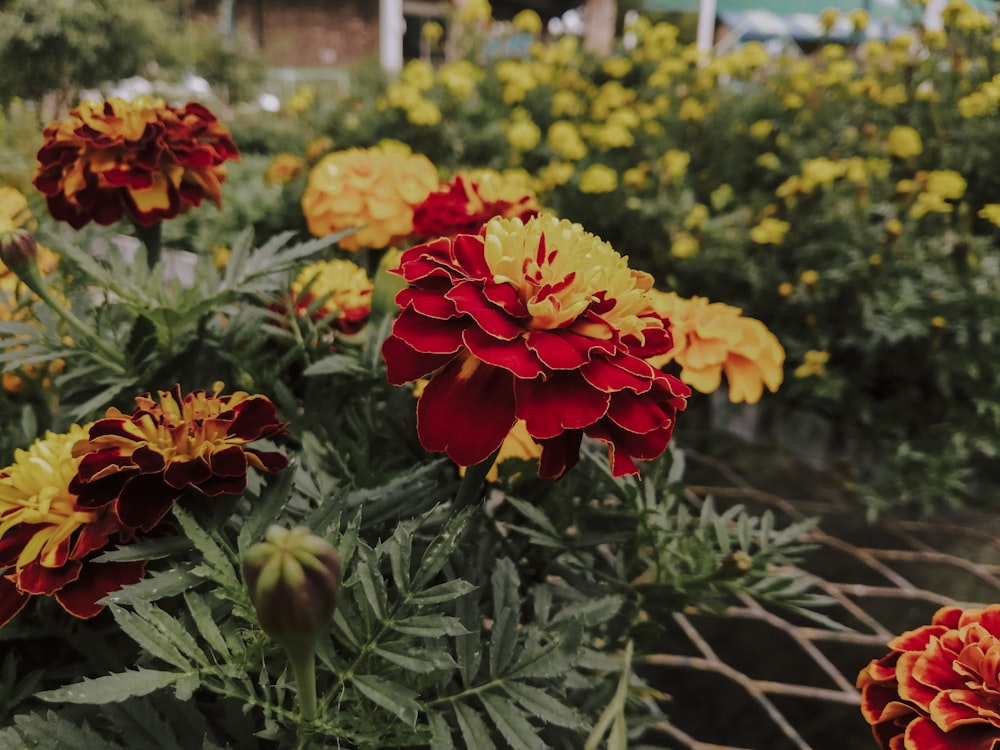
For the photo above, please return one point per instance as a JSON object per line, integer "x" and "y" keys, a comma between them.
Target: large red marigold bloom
{"x": 939, "y": 686}
{"x": 48, "y": 541}
{"x": 539, "y": 321}
{"x": 142, "y": 159}
{"x": 469, "y": 200}
{"x": 141, "y": 463}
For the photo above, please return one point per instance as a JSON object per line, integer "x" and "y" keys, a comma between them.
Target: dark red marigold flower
{"x": 142, "y": 159}
{"x": 539, "y": 321}
{"x": 47, "y": 541}
{"x": 142, "y": 463}
{"x": 938, "y": 688}
{"x": 465, "y": 204}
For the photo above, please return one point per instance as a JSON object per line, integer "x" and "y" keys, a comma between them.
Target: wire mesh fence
{"x": 759, "y": 678}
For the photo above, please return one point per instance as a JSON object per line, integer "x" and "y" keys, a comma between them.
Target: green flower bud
{"x": 293, "y": 577}
{"x": 18, "y": 250}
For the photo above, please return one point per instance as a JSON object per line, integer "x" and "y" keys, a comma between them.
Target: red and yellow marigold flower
{"x": 47, "y": 540}
{"x": 342, "y": 288}
{"x": 139, "y": 464}
{"x": 376, "y": 189}
{"x": 539, "y": 321}
{"x": 939, "y": 685}
{"x": 468, "y": 201}
{"x": 712, "y": 338}
{"x": 142, "y": 159}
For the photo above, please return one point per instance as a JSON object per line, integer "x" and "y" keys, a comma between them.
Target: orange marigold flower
{"x": 284, "y": 168}
{"x": 342, "y": 290}
{"x": 375, "y": 189}
{"x": 468, "y": 201}
{"x": 47, "y": 540}
{"x": 712, "y": 338}
{"x": 142, "y": 159}
{"x": 938, "y": 686}
{"x": 140, "y": 464}
{"x": 539, "y": 321}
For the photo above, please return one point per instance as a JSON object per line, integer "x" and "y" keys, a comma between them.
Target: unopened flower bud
{"x": 293, "y": 577}
{"x": 18, "y": 250}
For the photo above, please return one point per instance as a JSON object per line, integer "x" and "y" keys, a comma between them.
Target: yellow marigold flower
{"x": 637, "y": 176}
{"x": 220, "y": 256}
{"x": 528, "y": 21}
{"x": 674, "y": 163}
{"x": 904, "y": 142}
{"x": 617, "y": 67}
{"x": 567, "y": 103}
{"x": 431, "y": 32}
{"x": 813, "y": 364}
{"x": 565, "y": 140}
{"x": 376, "y": 188}
{"x": 284, "y": 168}
{"x": 930, "y": 203}
{"x": 793, "y": 100}
{"x": 938, "y": 322}
{"x": 598, "y": 178}
{"x": 523, "y": 135}
{"x": 692, "y": 110}
{"x": 609, "y": 135}
{"x": 894, "y": 227}
{"x": 991, "y": 212}
{"x": 317, "y": 147}
{"x": 827, "y": 19}
{"x": 424, "y": 113}
{"x": 697, "y": 217}
{"x": 859, "y": 18}
{"x": 721, "y": 196}
{"x": 809, "y": 277}
{"x": 761, "y": 129}
{"x": 907, "y": 187}
{"x": 418, "y": 74}
{"x": 342, "y": 288}
{"x": 475, "y": 11}
{"x": 684, "y": 245}
{"x": 821, "y": 172}
{"x": 460, "y": 78}
{"x": 769, "y": 231}
{"x": 556, "y": 173}
{"x": 712, "y": 338}
{"x": 785, "y": 289}
{"x": 302, "y": 99}
{"x": 768, "y": 160}
{"x": 48, "y": 539}
{"x": 946, "y": 183}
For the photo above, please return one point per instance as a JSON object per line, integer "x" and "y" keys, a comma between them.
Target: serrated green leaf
{"x": 266, "y": 509}
{"x": 544, "y": 705}
{"x": 512, "y": 723}
{"x": 36, "y": 732}
{"x": 534, "y": 514}
{"x": 146, "y": 549}
{"x": 155, "y": 586}
{"x": 612, "y": 719}
{"x": 590, "y": 611}
{"x": 442, "y": 592}
{"x": 505, "y": 583}
{"x": 112, "y": 688}
{"x": 418, "y": 661}
{"x": 442, "y": 547}
{"x": 211, "y": 553}
{"x": 542, "y": 660}
{"x": 430, "y": 626}
{"x": 399, "y": 557}
{"x": 201, "y": 613}
{"x": 391, "y": 696}
{"x": 172, "y": 629}
{"x": 149, "y": 638}
{"x": 502, "y": 641}
{"x": 371, "y": 581}
{"x": 440, "y": 733}
{"x": 474, "y": 730}
{"x": 468, "y": 647}
{"x": 334, "y": 364}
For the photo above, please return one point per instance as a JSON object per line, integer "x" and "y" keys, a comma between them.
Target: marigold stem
{"x": 471, "y": 487}
{"x": 303, "y": 660}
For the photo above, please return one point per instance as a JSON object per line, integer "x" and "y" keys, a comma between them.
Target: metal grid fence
{"x": 757, "y": 679}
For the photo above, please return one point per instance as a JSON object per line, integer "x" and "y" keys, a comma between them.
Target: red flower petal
{"x": 446, "y": 424}
{"x": 35, "y": 578}
{"x": 12, "y": 600}
{"x": 470, "y": 300}
{"x": 144, "y": 501}
{"x": 512, "y": 356}
{"x": 403, "y": 364}
{"x": 563, "y": 402}
{"x": 428, "y": 335}
{"x": 617, "y": 374}
{"x": 186, "y": 471}
{"x": 559, "y": 454}
{"x": 256, "y": 417}
{"x": 923, "y": 734}
{"x": 96, "y": 582}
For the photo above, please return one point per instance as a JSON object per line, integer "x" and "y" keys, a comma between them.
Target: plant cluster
{"x": 375, "y": 488}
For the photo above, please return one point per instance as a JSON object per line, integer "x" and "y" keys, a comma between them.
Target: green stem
{"x": 152, "y": 238}
{"x": 470, "y": 490}
{"x": 303, "y": 660}
{"x": 32, "y": 279}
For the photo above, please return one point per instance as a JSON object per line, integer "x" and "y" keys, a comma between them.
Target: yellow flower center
{"x": 560, "y": 270}
{"x": 35, "y": 490}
